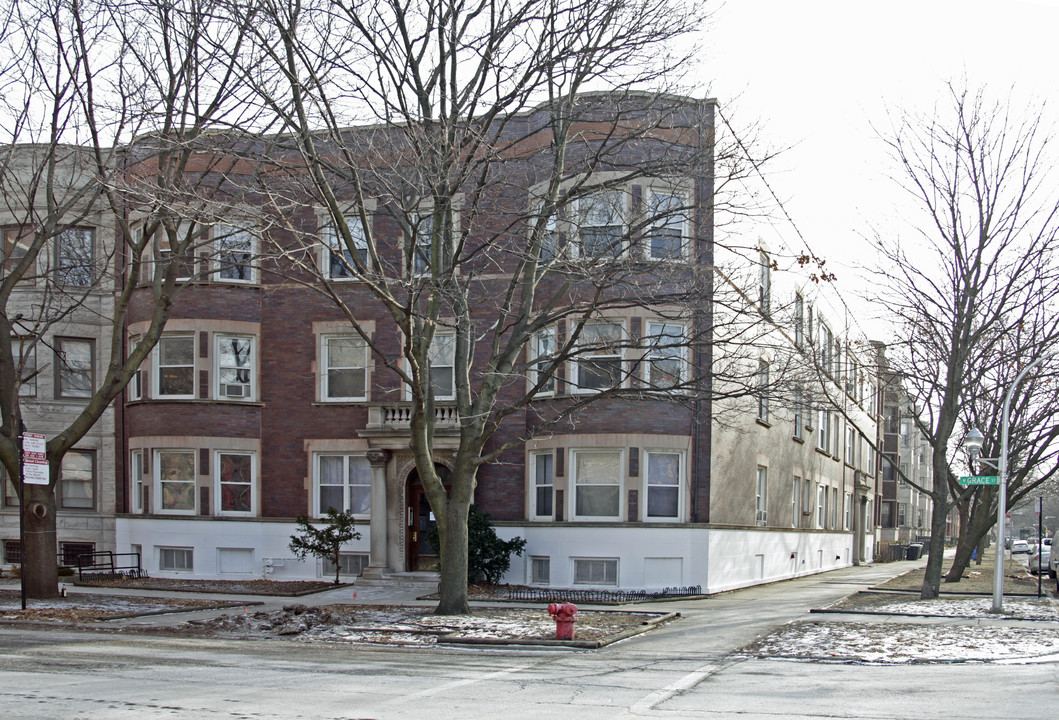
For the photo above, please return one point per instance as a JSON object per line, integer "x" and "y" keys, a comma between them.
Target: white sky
{"x": 817, "y": 73}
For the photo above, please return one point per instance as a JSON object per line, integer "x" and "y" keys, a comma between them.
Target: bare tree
{"x": 94, "y": 93}
{"x": 971, "y": 289}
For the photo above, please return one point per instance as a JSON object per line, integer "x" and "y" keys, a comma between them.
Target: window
{"x": 764, "y": 289}
{"x": 137, "y": 502}
{"x": 345, "y": 368}
{"x": 763, "y": 389}
{"x": 851, "y": 445}
{"x": 24, "y": 357}
{"x": 17, "y": 242}
{"x": 821, "y": 506}
{"x": 799, "y": 414}
{"x": 871, "y": 461}
{"x": 184, "y": 262}
{"x": 761, "y": 501}
{"x": 600, "y": 226}
{"x": 826, "y": 341}
{"x": 73, "y": 258}
{"x": 664, "y": 358}
{"x": 796, "y": 496}
{"x": 175, "y": 481}
{"x": 836, "y": 435}
{"x": 235, "y": 483}
{"x": 799, "y": 320}
{"x": 543, "y": 368}
{"x": 549, "y": 239}
{"x": 834, "y": 509}
{"x": 175, "y": 358}
{"x": 597, "y": 484}
{"x": 543, "y": 465}
{"x": 442, "y": 358}
{"x": 343, "y": 483}
{"x": 886, "y": 519}
{"x": 595, "y": 571}
{"x": 540, "y": 570}
{"x": 74, "y": 368}
{"x": 350, "y": 564}
{"x": 823, "y": 434}
{"x": 12, "y": 552}
{"x": 339, "y": 260}
{"x": 176, "y": 559}
{"x": 665, "y": 236}
{"x": 902, "y": 514}
{"x": 847, "y": 511}
{"x": 10, "y": 498}
{"x": 424, "y": 239}
{"x": 235, "y": 367}
{"x": 599, "y": 366}
{"x": 868, "y": 517}
{"x": 234, "y": 250}
{"x": 664, "y": 480}
{"x": 70, "y": 552}
{"x": 77, "y": 480}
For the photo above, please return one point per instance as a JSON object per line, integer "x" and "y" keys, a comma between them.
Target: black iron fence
{"x": 107, "y": 565}
{"x": 543, "y": 594}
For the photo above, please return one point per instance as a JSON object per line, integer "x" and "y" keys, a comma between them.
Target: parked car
{"x": 1020, "y": 546}
{"x": 1041, "y": 559}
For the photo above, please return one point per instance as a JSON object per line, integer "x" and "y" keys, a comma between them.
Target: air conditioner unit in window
{"x": 235, "y": 391}
{"x": 762, "y": 515}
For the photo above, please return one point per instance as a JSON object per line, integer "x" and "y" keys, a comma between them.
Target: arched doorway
{"x": 419, "y": 521}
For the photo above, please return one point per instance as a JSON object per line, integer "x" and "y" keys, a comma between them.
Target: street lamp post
{"x": 973, "y": 442}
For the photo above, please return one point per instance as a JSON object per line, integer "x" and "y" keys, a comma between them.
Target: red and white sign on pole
{"x": 34, "y": 459}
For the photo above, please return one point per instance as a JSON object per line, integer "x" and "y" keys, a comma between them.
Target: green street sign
{"x": 979, "y": 480}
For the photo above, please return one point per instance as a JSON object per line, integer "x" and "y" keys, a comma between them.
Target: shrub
{"x": 326, "y": 542}
{"x": 488, "y": 557}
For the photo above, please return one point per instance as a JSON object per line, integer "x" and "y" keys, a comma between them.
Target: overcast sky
{"x": 818, "y": 73}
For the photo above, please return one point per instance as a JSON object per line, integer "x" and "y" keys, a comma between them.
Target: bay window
{"x": 235, "y": 367}
{"x": 175, "y": 367}
{"x": 599, "y": 362}
{"x": 597, "y": 484}
{"x": 664, "y": 483}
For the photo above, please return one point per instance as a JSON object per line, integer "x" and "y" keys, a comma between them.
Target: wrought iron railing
{"x": 543, "y": 594}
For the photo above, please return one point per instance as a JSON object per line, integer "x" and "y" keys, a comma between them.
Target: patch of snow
{"x": 1014, "y": 608}
{"x": 892, "y": 644}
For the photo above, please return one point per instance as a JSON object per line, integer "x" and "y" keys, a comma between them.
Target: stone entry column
{"x": 377, "y": 553}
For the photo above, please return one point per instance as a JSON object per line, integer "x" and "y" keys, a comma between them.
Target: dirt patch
{"x": 389, "y": 625}
{"x": 231, "y": 587}
{"x": 90, "y": 608}
{"x": 977, "y": 578}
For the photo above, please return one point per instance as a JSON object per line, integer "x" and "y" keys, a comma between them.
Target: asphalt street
{"x": 683, "y": 670}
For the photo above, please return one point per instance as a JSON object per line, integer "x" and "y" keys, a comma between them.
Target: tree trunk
{"x": 453, "y": 595}
{"x": 40, "y": 569}
{"x": 977, "y": 527}
{"x": 982, "y": 545}
{"x": 932, "y": 578}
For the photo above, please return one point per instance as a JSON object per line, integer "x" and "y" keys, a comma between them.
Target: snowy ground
{"x": 986, "y": 638}
{"x": 395, "y": 625}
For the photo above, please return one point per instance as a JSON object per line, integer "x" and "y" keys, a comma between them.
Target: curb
{"x": 651, "y": 624}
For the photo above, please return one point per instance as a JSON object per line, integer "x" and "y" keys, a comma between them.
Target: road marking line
{"x": 456, "y": 683}
{"x": 687, "y": 682}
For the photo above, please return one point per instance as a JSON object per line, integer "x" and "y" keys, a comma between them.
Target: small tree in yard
{"x": 488, "y": 556}
{"x": 326, "y": 542}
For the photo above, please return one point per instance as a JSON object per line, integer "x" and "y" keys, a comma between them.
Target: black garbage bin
{"x": 914, "y": 551}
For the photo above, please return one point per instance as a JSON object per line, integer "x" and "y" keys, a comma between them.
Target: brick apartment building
{"x": 260, "y": 402}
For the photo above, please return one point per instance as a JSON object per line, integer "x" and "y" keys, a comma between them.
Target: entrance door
{"x": 419, "y": 522}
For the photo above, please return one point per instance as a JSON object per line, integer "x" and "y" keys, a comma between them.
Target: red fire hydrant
{"x": 564, "y": 619}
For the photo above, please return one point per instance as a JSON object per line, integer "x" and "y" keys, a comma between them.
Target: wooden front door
{"x": 419, "y": 522}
